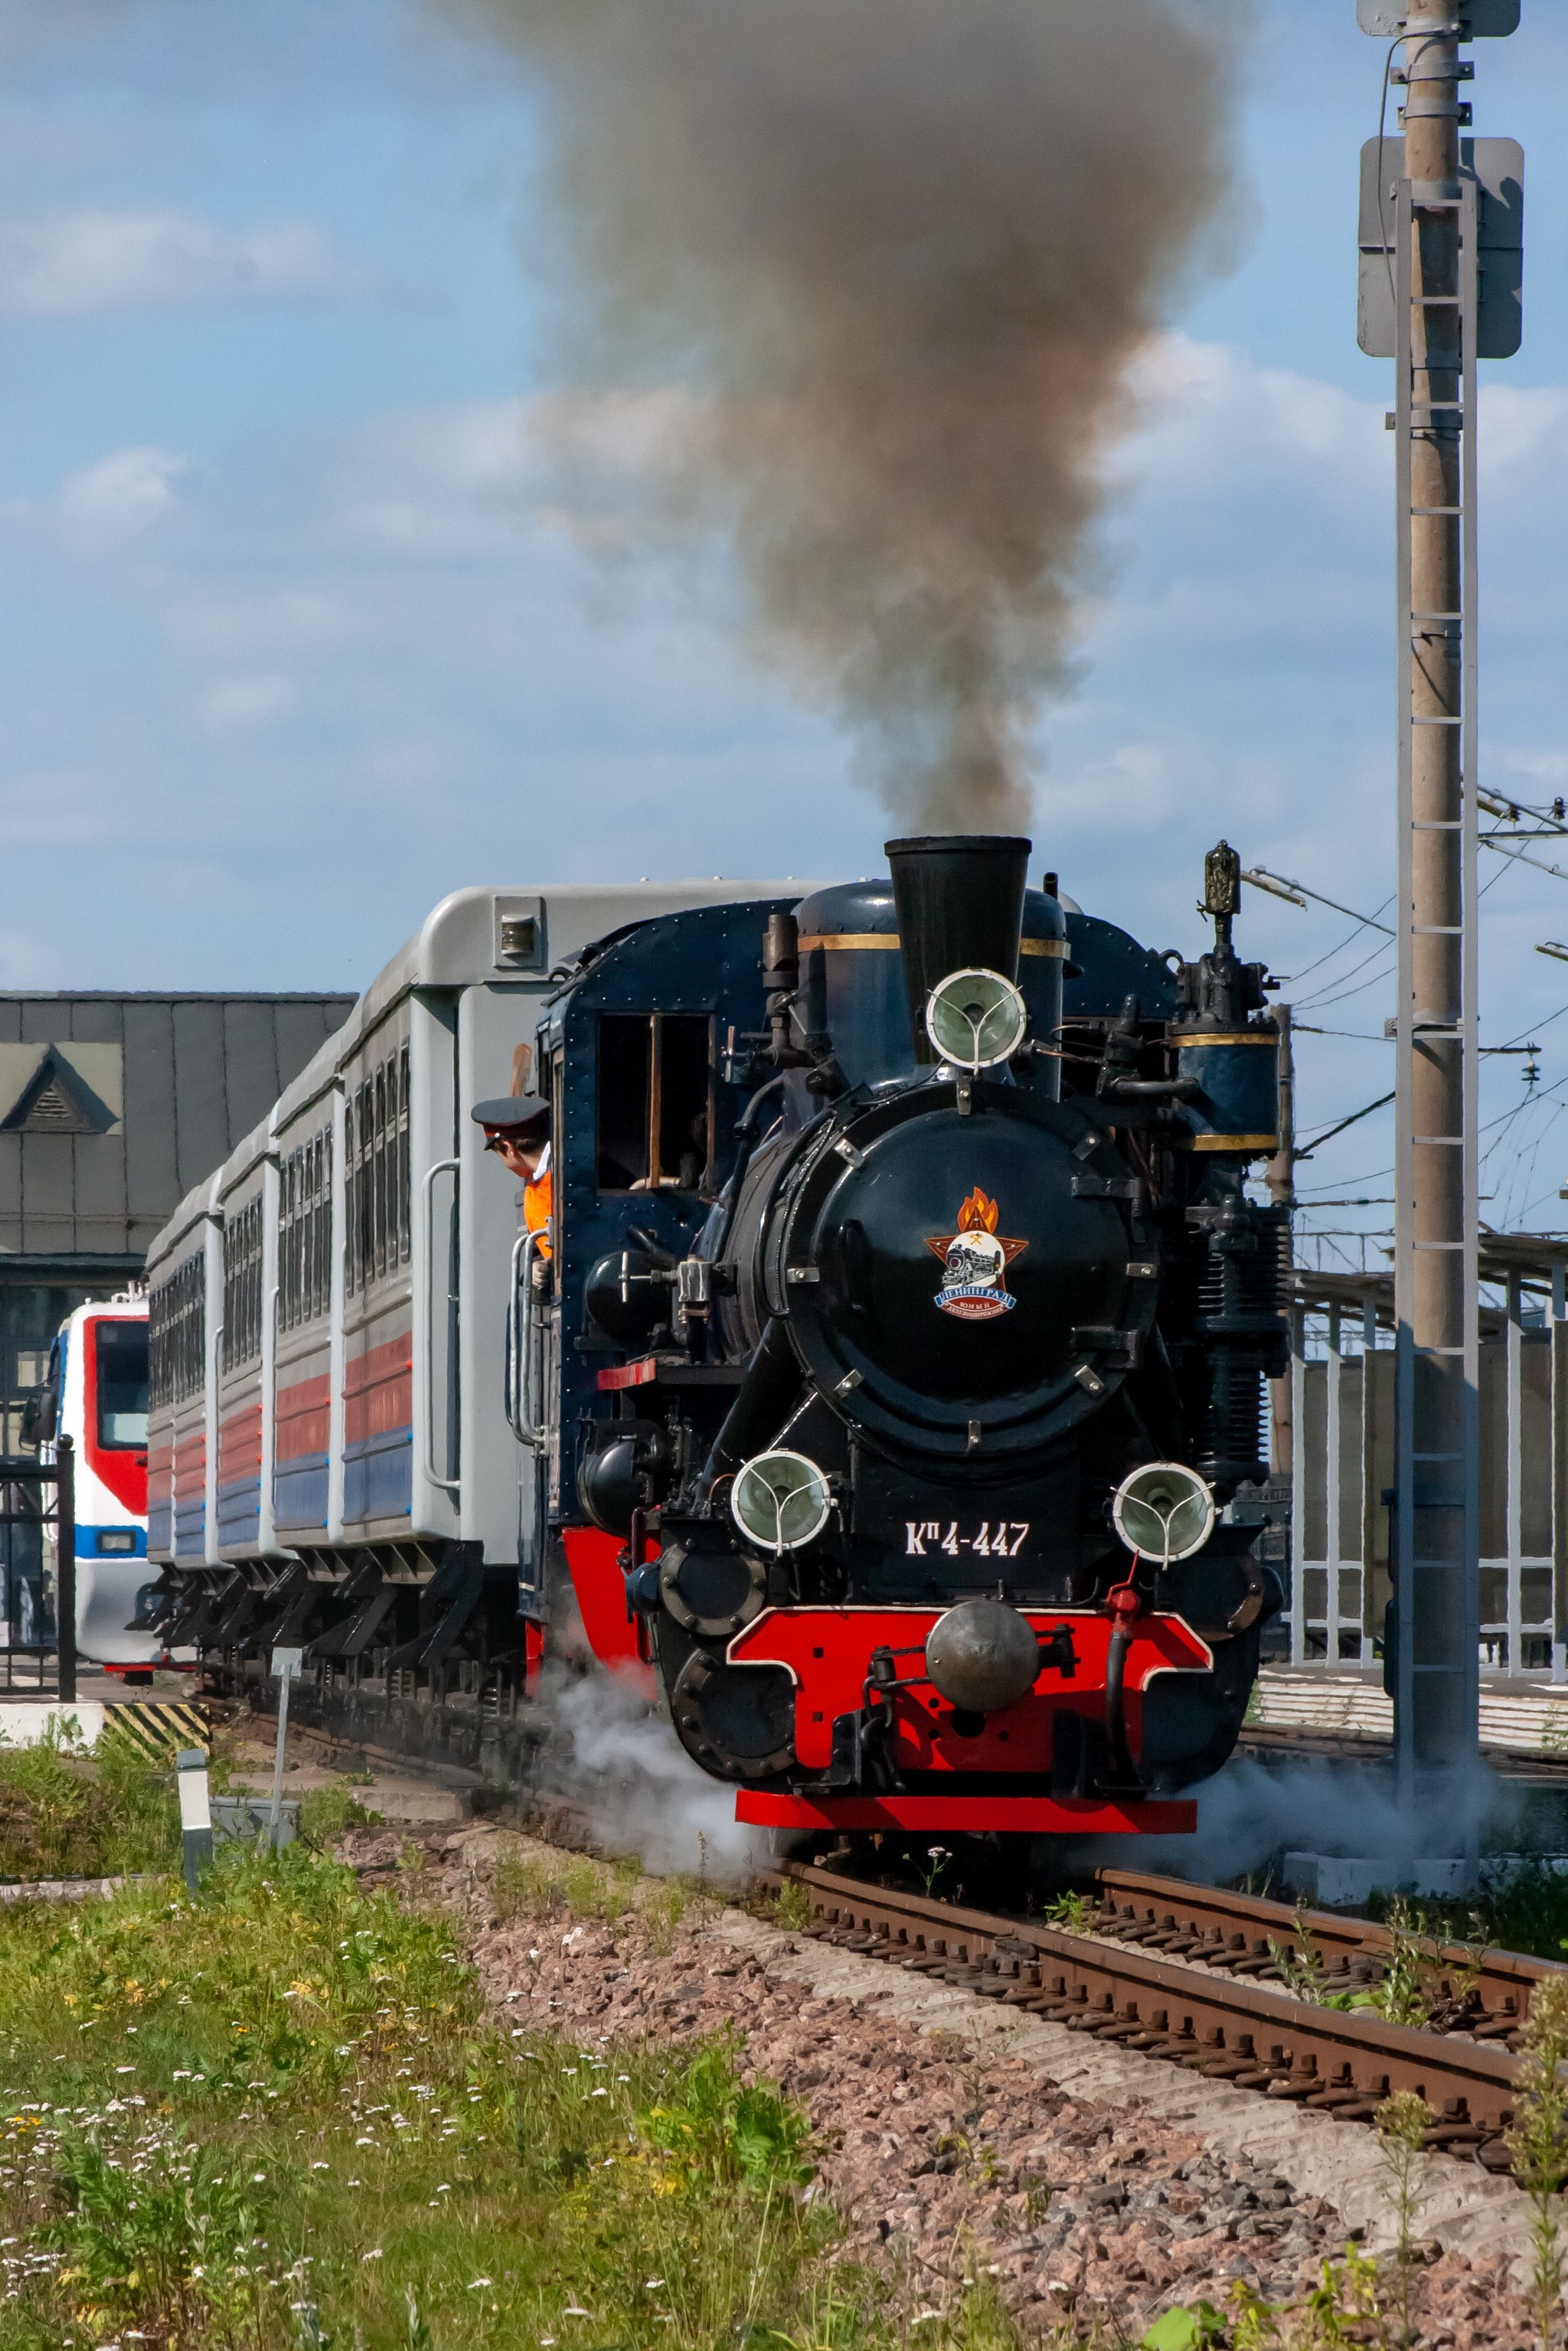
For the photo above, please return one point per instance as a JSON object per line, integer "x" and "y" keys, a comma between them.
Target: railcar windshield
{"x": 122, "y": 1385}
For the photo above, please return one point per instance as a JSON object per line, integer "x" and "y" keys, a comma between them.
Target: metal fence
{"x": 38, "y": 1571}
{"x": 1341, "y": 1452}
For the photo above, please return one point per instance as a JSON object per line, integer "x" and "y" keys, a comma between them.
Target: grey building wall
{"x": 97, "y": 1146}
{"x": 111, "y": 1107}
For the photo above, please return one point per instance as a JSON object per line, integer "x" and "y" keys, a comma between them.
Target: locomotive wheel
{"x": 713, "y": 1592}
{"x": 737, "y": 1721}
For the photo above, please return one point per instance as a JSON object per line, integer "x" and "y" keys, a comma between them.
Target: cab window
{"x": 656, "y": 1102}
{"x": 122, "y": 1385}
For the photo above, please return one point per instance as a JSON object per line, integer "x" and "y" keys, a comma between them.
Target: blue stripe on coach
{"x": 378, "y": 1477}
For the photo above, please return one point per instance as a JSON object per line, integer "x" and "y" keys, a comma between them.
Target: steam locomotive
{"x": 916, "y": 1450}
{"x": 871, "y": 1401}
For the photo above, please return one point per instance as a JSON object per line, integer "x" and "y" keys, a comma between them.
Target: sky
{"x": 294, "y": 638}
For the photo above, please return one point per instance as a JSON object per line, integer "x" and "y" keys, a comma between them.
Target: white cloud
{"x": 120, "y": 497}
{"x": 450, "y": 480}
{"x": 63, "y": 806}
{"x": 75, "y": 262}
{"x": 232, "y": 625}
{"x": 31, "y": 963}
{"x": 236, "y": 705}
{"x": 1546, "y": 771}
{"x": 406, "y": 766}
{"x": 1131, "y": 783}
{"x": 1518, "y": 424}
{"x": 1209, "y": 411}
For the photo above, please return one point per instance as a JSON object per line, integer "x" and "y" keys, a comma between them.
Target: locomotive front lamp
{"x": 780, "y": 1500}
{"x": 976, "y": 1018}
{"x": 1163, "y": 1511}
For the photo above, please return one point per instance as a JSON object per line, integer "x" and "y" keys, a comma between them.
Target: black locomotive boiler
{"x": 893, "y": 1424}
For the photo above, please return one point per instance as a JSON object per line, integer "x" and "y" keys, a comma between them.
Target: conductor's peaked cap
{"x": 514, "y": 1116}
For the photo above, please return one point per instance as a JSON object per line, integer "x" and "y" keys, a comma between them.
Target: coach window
{"x": 305, "y": 1232}
{"x": 656, "y": 1102}
{"x": 242, "y": 1285}
{"x": 177, "y": 1334}
{"x": 380, "y": 1235}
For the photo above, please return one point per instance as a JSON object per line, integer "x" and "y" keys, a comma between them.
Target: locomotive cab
{"x": 959, "y": 1252}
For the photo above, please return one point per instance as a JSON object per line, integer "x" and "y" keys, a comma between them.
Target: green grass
{"x": 66, "y": 1813}
{"x": 1524, "y": 1908}
{"x": 278, "y": 2115}
{"x": 327, "y": 1812}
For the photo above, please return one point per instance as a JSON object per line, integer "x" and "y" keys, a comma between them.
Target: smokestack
{"x": 959, "y": 897}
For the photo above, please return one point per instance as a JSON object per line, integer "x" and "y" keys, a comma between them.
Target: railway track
{"x": 1289, "y": 1742}
{"x": 1204, "y": 1977}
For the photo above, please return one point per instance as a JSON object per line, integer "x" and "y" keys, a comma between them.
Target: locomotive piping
{"x": 769, "y": 1388}
{"x": 1125, "y": 1770}
{"x": 746, "y": 1132}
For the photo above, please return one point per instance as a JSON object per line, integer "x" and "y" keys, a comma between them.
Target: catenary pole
{"x": 1436, "y": 1594}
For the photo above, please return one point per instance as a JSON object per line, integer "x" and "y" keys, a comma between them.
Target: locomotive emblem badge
{"x": 975, "y": 1262}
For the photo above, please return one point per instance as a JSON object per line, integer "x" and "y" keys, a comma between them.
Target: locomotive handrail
{"x": 520, "y": 1403}
{"x": 521, "y": 1429}
{"x": 439, "y": 1167}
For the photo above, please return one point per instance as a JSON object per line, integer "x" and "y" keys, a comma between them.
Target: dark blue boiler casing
{"x": 1238, "y": 1106}
{"x": 851, "y": 970}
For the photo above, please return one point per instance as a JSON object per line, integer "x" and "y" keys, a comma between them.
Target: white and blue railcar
{"x": 97, "y": 1395}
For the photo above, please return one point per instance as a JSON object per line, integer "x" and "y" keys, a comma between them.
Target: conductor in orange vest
{"x": 517, "y": 1130}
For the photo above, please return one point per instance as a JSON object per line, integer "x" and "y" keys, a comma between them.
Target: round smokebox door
{"x": 737, "y": 1721}
{"x": 712, "y": 1591}
{"x": 965, "y": 1265}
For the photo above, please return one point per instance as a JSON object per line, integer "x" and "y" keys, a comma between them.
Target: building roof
{"x": 112, "y": 1105}
{"x": 1527, "y": 1258}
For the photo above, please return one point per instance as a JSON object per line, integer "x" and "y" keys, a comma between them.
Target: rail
{"x": 1198, "y": 1976}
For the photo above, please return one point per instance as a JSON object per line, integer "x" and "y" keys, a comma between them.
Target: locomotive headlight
{"x": 1163, "y": 1511}
{"x": 976, "y": 1018}
{"x": 780, "y": 1500}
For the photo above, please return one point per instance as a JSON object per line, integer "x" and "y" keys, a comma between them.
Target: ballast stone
{"x": 1464, "y": 2209}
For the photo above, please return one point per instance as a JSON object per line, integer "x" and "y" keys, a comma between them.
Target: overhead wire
{"x": 1373, "y": 979}
{"x": 1368, "y": 923}
{"x": 1372, "y": 1175}
{"x": 1382, "y": 948}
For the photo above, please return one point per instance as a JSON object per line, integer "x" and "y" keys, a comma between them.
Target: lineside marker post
{"x": 195, "y": 1813}
{"x": 285, "y": 1663}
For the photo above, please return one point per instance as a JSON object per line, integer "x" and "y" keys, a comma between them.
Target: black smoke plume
{"x": 902, "y": 252}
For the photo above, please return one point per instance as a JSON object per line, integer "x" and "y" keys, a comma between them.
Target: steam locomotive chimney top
{"x": 959, "y": 897}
